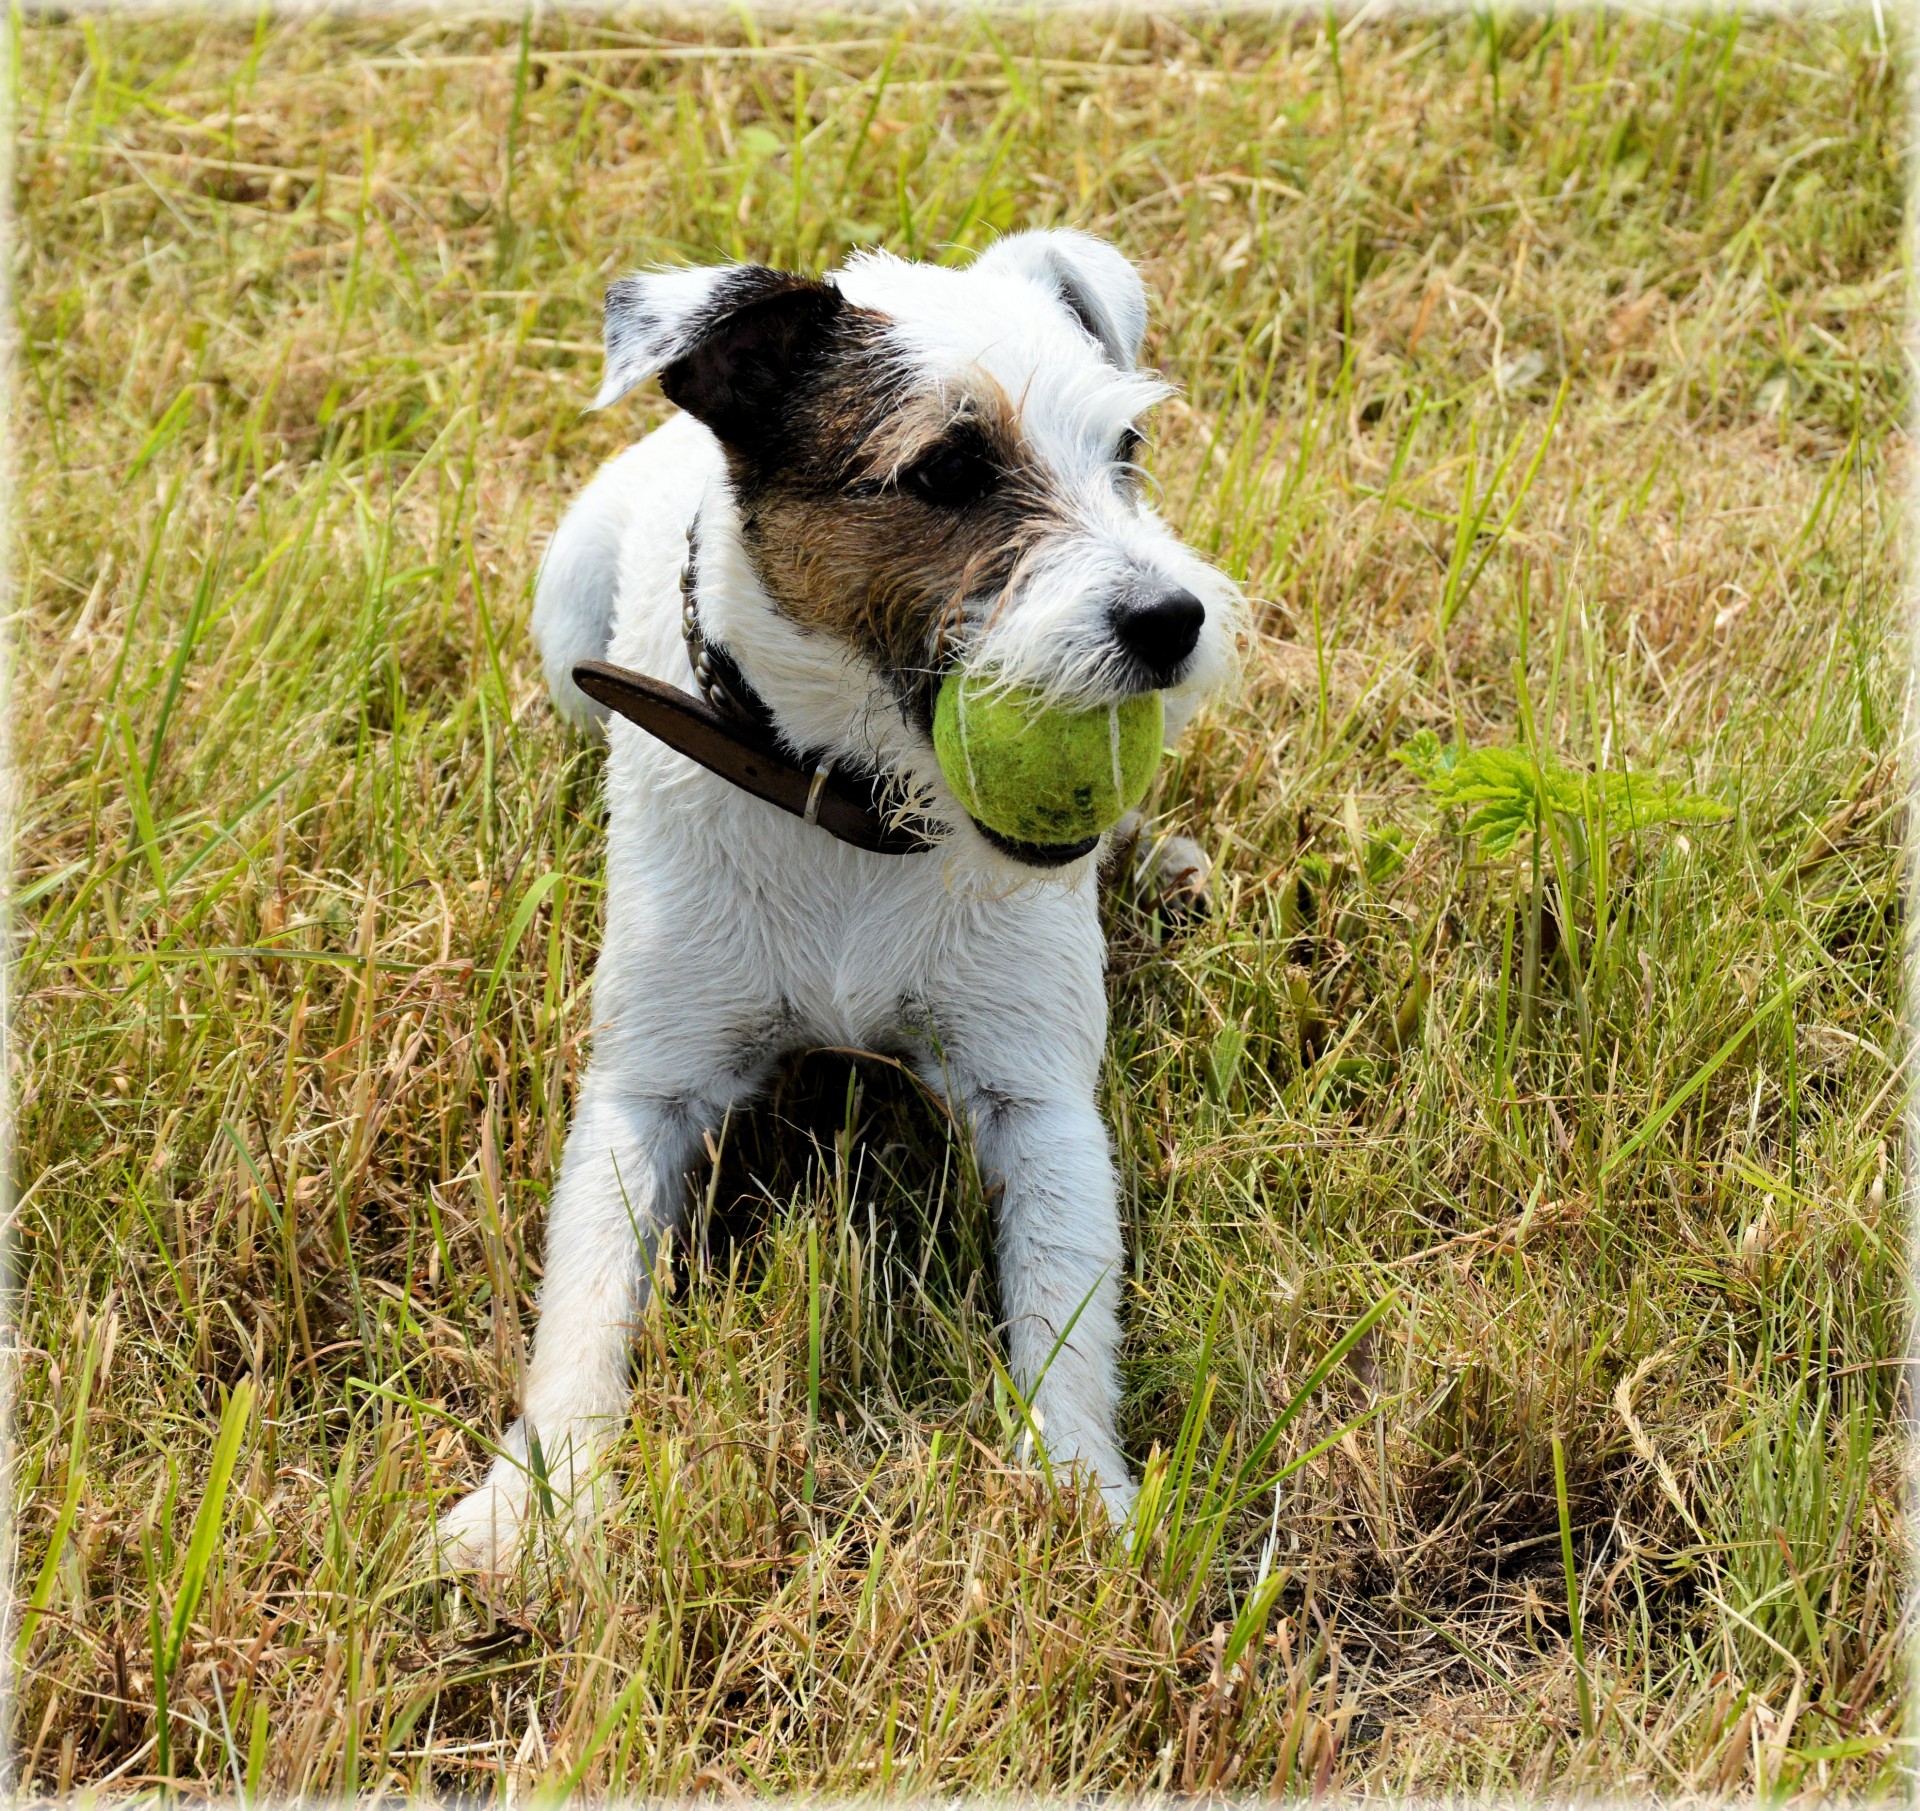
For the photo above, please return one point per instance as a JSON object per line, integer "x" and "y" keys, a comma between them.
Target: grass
{"x": 1543, "y": 382}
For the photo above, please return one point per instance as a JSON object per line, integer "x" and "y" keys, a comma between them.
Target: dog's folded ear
{"x": 726, "y": 344}
{"x": 1094, "y": 283}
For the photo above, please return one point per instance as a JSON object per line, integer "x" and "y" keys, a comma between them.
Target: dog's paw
{"x": 1119, "y": 1494}
{"x": 567, "y": 1493}
{"x": 1172, "y": 873}
{"x": 483, "y": 1531}
{"x": 1092, "y": 1463}
{"x": 1103, "y": 1469}
{"x": 1164, "y": 875}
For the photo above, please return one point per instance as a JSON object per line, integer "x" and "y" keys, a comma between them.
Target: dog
{"x": 875, "y": 479}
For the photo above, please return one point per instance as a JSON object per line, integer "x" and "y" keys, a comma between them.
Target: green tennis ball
{"x": 1039, "y": 774}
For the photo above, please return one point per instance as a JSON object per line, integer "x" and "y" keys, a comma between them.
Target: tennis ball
{"x": 1039, "y": 774}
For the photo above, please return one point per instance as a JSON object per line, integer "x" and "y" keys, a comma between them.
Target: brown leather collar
{"x": 731, "y": 732}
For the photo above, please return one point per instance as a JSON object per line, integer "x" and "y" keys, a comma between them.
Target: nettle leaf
{"x": 1641, "y": 800}
{"x": 1500, "y": 824}
{"x": 1511, "y": 794}
{"x": 1423, "y": 753}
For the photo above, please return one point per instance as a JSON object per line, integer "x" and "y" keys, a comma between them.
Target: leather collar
{"x": 730, "y": 731}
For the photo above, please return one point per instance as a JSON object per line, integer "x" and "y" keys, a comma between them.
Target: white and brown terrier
{"x": 875, "y": 479}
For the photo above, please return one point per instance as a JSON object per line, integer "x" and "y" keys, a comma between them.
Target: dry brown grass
{"x": 307, "y": 907}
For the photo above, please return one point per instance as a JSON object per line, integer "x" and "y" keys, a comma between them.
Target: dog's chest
{"x": 730, "y": 923}
{"x": 769, "y": 921}
{"x": 862, "y": 965}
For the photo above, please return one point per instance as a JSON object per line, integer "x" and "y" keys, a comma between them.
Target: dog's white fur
{"x": 736, "y": 934}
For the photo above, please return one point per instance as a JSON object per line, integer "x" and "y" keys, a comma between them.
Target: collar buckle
{"x": 821, "y": 775}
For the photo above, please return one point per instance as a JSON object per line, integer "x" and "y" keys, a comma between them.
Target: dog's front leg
{"x": 622, "y": 1185}
{"x": 1049, "y": 1168}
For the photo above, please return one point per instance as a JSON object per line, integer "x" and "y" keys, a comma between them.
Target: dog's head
{"x": 939, "y": 468}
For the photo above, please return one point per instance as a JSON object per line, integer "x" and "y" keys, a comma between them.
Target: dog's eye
{"x": 953, "y": 477}
{"x": 1128, "y": 451}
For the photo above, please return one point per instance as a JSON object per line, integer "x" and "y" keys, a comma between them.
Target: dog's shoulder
{"x": 609, "y": 578}
{"x": 661, "y": 481}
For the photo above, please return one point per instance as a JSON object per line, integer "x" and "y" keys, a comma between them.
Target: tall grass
{"x": 1542, "y": 380}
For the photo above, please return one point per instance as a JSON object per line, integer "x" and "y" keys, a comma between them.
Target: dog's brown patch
{"x": 843, "y": 545}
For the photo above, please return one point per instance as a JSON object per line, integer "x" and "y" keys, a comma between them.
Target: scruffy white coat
{"x": 736, "y": 934}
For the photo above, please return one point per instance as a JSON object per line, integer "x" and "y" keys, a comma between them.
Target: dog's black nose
{"x": 1160, "y": 631}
